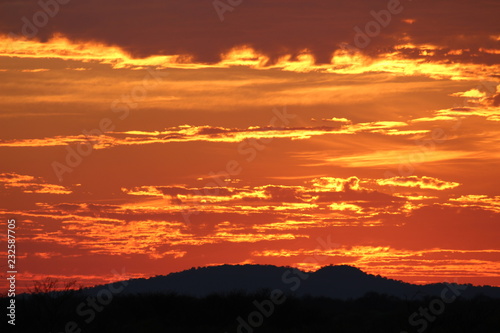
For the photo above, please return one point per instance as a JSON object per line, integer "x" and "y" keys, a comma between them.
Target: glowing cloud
{"x": 423, "y": 182}
{"x": 30, "y": 184}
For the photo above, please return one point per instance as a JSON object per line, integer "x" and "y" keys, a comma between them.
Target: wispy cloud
{"x": 31, "y": 184}
{"x": 420, "y": 182}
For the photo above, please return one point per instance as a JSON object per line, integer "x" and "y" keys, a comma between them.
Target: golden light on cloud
{"x": 491, "y": 113}
{"x": 335, "y": 184}
{"x": 345, "y": 206}
{"x": 474, "y": 200}
{"x": 392, "y": 157}
{"x": 436, "y": 118}
{"x": 381, "y": 259}
{"x": 62, "y": 48}
{"x": 36, "y": 70}
{"x": 409, "y": 21}
{"x": 342, "y": 62}
{"x": 30, "y": 184}
{"x": 243, "y": 56}
{"x": 474, "y": 93}
{"x": 189, "y": 133}
{"x": 423, "y": 182}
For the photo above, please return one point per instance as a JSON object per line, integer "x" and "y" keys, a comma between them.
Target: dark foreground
{"x": 263, "y": 312}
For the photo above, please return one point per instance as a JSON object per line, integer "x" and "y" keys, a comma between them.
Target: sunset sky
{"x": 151, "y": 137}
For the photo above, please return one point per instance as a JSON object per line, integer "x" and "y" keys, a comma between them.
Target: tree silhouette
{"x": 50, "y": 300}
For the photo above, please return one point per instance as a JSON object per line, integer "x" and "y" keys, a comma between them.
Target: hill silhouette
{"x": 261, "y": 299}
{"x": 337, "y": 282}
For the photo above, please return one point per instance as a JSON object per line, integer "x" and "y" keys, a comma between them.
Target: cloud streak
{"x": 31, "y": 184}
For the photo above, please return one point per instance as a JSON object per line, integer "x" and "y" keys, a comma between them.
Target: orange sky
{"x": 151, "y": 144}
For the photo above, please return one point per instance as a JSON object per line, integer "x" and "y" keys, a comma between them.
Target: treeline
{"x": 239, "y": 312}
